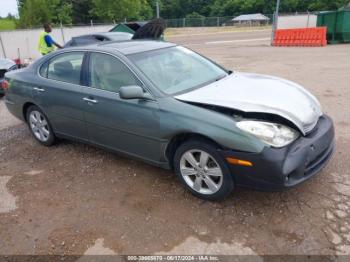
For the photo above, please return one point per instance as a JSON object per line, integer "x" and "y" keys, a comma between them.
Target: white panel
{"x": 26, "y": 41}
{"x": 297, "y": 21}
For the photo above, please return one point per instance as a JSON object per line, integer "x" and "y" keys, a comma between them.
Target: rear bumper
{"x": 280, "y": 168}
{"x": 14, "y": 108}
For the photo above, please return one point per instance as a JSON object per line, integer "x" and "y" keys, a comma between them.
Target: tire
{"x": 40, "y": 126}
{"x": 202, "y": 170}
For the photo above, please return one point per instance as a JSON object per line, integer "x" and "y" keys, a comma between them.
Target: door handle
{"x": 89, "y": 100}
{"x": 38, "y": 89}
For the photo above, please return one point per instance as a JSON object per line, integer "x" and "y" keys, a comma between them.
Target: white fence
{"x": 297, "y": 21}
{"x": 24, "y": 43}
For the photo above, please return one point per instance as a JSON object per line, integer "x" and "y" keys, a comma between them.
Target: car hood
{"x": 6, "y": 64}
{"x": 261, "y": 94}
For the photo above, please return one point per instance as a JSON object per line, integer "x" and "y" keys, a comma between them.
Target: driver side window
{"x": 108, "y": 73}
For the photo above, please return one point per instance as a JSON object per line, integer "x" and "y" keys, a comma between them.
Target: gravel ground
{"x": 76, "y": 199}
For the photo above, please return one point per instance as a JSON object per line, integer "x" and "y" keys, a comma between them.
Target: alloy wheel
{"x": 39, "y": 126}
{"x": 201, "y": 172}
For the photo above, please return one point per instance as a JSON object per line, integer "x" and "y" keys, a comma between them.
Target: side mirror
{"x": 133, "y": 92}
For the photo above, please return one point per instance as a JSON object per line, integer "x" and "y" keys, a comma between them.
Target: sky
{"x": 8, "y": 6}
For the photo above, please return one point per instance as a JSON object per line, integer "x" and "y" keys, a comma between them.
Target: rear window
{"x": 80, "y": 41}
{"x": 64, "y": 67}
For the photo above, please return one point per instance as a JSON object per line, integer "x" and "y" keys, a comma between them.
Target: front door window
{"x": 110, "y": 74}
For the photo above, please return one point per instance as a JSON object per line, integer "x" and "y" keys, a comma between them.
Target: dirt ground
{"x": 76, "y": 199}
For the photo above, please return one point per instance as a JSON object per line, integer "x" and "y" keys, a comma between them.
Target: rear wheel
{"x": 40, "y": 126}
{"x": 202, "y": 170}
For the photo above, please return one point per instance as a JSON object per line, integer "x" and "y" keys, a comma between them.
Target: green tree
{"x": 146, "y": 11}
{"x": 34, "y": 13}
{"x": 63, "y": 14}
{"x": 81, "y": 11}
{"x": 176, "y": 8}
{"x": 10, "y": 16}
{"x": 194, "y": 15}
{"x": 326, "y": 5}
{"x": 236, "y": 7}
{"x": 111, "y": 10}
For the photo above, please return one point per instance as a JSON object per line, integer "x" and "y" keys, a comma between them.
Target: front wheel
{"x": 202, "y": 170}
{"x": 40, "y": 126}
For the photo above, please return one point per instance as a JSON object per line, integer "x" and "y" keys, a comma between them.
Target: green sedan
{"x": 173, "y": 108}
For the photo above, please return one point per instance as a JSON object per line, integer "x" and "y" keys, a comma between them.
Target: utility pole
{"x": 157, "y": 8}
{"x": 62, "y": 33}
{"x": 275, "y": 21}
{"x": 2, "y": 47}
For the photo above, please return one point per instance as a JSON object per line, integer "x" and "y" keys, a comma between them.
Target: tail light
{"x": 5, "y": 85}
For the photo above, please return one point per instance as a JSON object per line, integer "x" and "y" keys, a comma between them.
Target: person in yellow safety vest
{"x": 46, "y": 43}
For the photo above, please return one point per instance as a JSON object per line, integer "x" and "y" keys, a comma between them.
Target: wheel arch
{"x": 179, "y": 139}
{"x": 25, "y": 109}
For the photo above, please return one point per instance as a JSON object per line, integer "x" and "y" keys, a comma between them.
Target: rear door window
{"x": 66, "y": 67}
{"x": 88, "y": 40}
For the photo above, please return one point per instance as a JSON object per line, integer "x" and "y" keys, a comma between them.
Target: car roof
{"x": 113, "y": 33}
{"x": 136, "y": 46}
{"x": 103, "y": 34}
{"x": 126, "y": 47}
{"x": 130, "y": 46}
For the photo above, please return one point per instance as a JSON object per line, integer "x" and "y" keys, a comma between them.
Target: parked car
{"x": 96, "y": 38}
{"x": 5, "y": 66}
{"x": 152, "y": 30}
{"x": 173, "y": 108}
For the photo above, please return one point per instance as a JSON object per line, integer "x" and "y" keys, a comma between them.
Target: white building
{"x": 251, "y": 19}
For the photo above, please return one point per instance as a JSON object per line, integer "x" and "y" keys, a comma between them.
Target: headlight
{"x": 276, "y": 135}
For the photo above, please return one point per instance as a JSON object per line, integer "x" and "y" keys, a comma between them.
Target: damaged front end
{"x": 262, "y": 96}
{"x": 239, "y": 115}
{"x": 271, "y": 129}
{"x": 288, "y": 166}
{"x": 279, "y": 167}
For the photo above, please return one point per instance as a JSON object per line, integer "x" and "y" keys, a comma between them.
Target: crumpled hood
{"x": 261, "y": 94}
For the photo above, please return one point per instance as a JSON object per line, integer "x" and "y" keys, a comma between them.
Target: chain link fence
{"x": 215, "y": 22}
{"x": 187, "y": 22}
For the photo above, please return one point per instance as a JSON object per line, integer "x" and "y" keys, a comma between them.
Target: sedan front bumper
{"x": 280, "y": 168}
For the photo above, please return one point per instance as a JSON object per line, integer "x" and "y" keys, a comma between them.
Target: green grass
{"x": 7, "y": 24}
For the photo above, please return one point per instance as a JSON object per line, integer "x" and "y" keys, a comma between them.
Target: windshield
{"x": 177, "y": 69}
